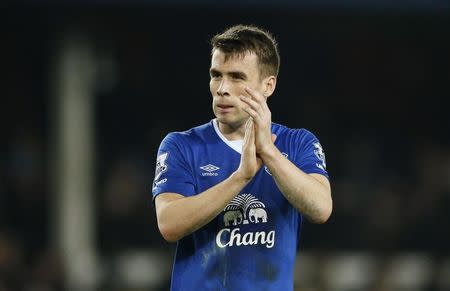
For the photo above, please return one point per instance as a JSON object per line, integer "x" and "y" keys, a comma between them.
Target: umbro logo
{"x": 210, "y": 170}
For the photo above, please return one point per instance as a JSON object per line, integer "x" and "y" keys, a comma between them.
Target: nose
{"x": 223, "y": 88}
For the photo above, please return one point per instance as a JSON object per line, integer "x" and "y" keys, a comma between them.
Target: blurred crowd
{"x": 388, "y": 155}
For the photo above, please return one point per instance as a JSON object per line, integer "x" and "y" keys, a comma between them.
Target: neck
{"x": 232, "y": 132}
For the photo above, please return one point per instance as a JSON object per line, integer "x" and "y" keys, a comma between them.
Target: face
{"x": 228, "y": 81}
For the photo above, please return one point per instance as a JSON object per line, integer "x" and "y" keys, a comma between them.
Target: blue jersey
{"x": 252, "y": 243}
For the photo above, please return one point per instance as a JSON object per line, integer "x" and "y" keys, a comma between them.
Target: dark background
{"x": 370, "y": 80}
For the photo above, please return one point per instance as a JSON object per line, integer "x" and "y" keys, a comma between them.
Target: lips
{"x": 224, "y": 108}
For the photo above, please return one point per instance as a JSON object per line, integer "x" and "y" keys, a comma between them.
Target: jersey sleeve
{"x": 173, "y": 173}
{"x": 311, "y": 158}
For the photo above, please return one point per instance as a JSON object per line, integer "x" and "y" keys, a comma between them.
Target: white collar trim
{"x": 235, "y": 144}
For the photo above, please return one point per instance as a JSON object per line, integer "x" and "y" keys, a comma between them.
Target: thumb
{"x": 274, "y": 137}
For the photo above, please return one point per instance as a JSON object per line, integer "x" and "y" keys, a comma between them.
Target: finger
{"x": 254, "y": 106}
{"x": 253, "y": 114}
{"x": 252, "y": 145}
{"x": 255, "y": 95}
{"x": 252, "y": 132}
{"x": 252, "y": 103}
{"x": 248, "y": 126}
{"x": 248, "y": 148}
{"x": 274, "y": 137}
{"x": 248, "y": 123}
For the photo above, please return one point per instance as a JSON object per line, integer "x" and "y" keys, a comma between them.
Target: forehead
{"x": 245, "y": 62}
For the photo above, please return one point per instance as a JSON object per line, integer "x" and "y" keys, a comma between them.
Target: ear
{"x": 269, "y": 84}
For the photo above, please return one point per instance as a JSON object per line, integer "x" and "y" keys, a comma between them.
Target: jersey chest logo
{"x": 244, "y": 209}
{"x": 209, "y": 170}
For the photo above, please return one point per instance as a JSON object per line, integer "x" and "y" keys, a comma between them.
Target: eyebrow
{"x": 214, "y": 72}
{"x": 234, "y": 74}
{"x": 238, "y": 74}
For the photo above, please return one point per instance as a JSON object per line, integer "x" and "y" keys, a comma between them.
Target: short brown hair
{"x": 240, "y": 39}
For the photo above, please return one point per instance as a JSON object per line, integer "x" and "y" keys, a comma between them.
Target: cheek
{"x": 240, "y": 88}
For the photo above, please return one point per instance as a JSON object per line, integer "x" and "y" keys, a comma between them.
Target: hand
{"x": 250, "y": 163}
{"x": 262, "y": 118}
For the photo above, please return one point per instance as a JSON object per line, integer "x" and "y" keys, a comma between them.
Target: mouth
{"x": 223, "y": 108}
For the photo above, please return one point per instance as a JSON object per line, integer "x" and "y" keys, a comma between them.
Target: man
{"x": 232, "y": 192}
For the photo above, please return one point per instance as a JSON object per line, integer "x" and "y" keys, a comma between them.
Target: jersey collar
{"x": 235, "y": 145}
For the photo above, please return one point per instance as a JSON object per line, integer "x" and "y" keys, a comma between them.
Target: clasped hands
{"x": 258, "y": 139}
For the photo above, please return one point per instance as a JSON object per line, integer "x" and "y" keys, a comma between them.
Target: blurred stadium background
{"x": 89, "y": 89}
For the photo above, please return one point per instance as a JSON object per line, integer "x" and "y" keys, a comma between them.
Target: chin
{"x": 223, "y": 119}
{"x": 232, "y": 122}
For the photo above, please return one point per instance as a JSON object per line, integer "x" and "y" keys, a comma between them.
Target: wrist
{"x": 269, "y": 151}
{"x": 239, "y": 177}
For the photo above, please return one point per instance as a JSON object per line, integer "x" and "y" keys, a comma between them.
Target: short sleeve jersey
{"x": 252, "y": 243}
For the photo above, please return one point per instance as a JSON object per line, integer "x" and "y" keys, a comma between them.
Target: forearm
{"x": 309, "y": 196}
{"x": 180, "y": 217}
